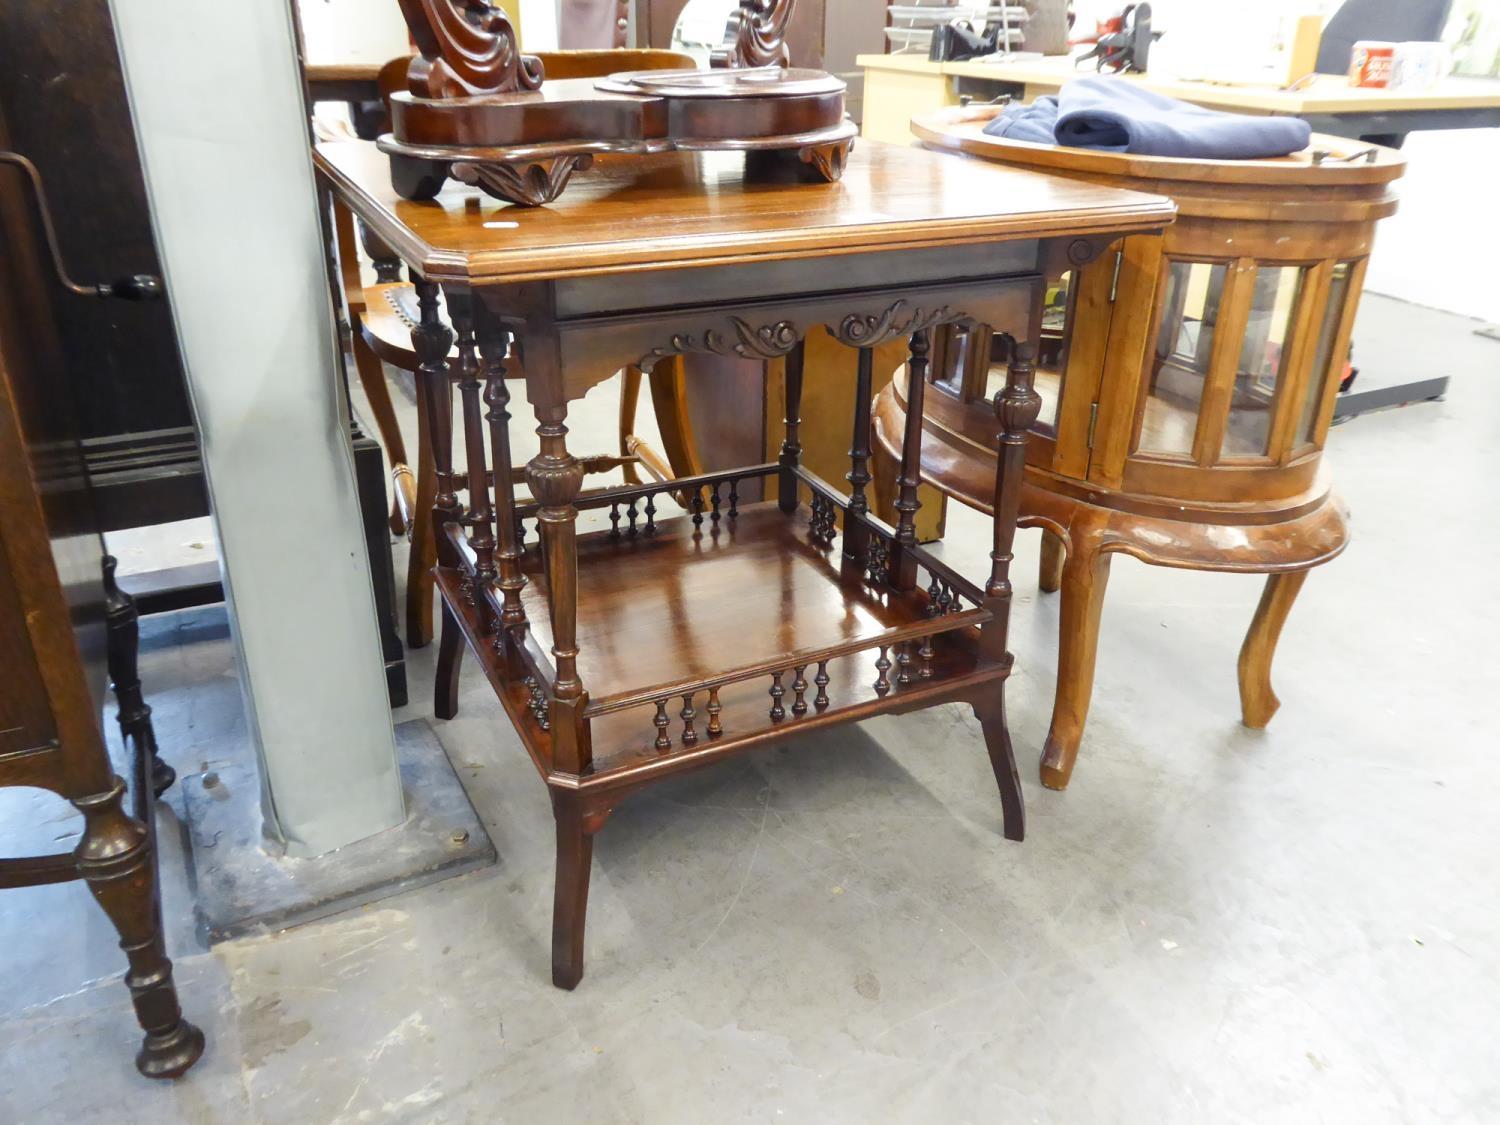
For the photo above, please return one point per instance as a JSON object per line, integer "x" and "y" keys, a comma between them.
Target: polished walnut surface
{"x": 702, "y": 209}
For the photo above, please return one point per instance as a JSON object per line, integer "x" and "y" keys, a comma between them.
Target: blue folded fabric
{"x": 1105, "y": 113}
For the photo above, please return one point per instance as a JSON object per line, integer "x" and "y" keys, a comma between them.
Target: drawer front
{"x": 25, "y": 717}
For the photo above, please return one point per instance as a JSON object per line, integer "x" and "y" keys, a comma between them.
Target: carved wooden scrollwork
{"x": 865, "y": 330}
{"x": 756, "y": 35}
{"x": 748, "y": 341}
{"x": 530, "y": 184}
{"x": 467, "y": 47}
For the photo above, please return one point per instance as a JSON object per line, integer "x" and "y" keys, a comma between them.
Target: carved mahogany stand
{"x": 674, "y": 637}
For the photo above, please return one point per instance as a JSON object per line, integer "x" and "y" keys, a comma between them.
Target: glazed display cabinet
{"x": 1188, "y": 382}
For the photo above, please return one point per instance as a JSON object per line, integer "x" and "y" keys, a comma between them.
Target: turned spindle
{"x": 821, "y": 680}
{"x": 689, "y": 735}
{"x": 715, "y": 728}
{"x": 778, "y": 712}
{"x": 661, "y": 722}
{"x": 799, "y": 688}
{"x": 883, "y": 666}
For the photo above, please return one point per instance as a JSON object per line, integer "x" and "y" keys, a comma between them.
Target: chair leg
{"x": 575, "y": 858}
{"x": 1258, "y": 702}
{"x": 1049, "y": 577}
{"x": 378, "y": 393}
{"x": 449, "y": 662}
{"x": 1085, "y": 577}
{"x": 423, "y": 557}
{"x": 116, "y": 858}
{"x": 630, "y": 398}
{"x": 122, "y": 650}
{"x": 990, "y": 711}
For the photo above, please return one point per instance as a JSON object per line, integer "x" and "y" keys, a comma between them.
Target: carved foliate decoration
{"x": 865, "y": 330}
{"x": 1018, "y": 404}
{"x": 467, "y": 47}
{"x": 756, "y": 35}
{"x": 530, "y": 184}
{"x": 748, "y": 341}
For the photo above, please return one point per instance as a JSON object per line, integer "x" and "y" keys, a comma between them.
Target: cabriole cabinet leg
{"x": 1258, "y": 702}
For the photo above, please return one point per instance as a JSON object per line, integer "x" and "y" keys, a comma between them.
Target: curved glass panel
{"x": 1317, "y": 383}
{"x": 1180, "y": 360}
{"x": 1263, "y": 355}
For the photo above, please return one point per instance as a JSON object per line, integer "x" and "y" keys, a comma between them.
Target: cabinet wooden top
{"x": 680, "y": 209}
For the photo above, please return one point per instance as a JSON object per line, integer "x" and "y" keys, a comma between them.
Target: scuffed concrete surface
{"x": 1212, "y": 925}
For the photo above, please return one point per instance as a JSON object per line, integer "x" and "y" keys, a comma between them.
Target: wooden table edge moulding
{"x": 1089, "y": 482}
{"x": 667, "y": 642}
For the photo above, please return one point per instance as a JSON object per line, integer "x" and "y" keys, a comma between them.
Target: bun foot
{"x": 170, "y": 1055}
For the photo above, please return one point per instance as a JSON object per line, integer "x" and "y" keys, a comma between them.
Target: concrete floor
{"x": 1212, "y": 925}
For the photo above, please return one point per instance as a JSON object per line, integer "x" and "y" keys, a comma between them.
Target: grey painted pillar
{"x": 216, "y": 95}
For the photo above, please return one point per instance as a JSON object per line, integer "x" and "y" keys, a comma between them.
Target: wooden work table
{"x": 701, "y": 624}
{"x": 897, "y": 87}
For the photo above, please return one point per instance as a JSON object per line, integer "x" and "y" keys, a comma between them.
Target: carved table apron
{"x": 696, "y": 626}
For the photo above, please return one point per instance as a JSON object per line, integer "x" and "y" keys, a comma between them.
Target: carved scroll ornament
{"x": 756, "y": 35}
{"x": 467, "y": 47}
{"x": 748, "y": 341}
{"x": 865, "y": 330}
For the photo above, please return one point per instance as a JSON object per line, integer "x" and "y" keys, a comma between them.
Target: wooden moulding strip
{"x": 928, "y": 627}
{"x": 604, "y": 497}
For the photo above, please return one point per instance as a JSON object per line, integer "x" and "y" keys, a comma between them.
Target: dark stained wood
{"x": 53, "y": 604}
{"x": 666, "y": 642}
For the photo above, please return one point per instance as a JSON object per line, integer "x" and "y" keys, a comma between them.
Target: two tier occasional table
{"x": 699, "y": 624}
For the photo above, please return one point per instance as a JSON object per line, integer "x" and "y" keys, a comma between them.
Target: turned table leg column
{"x": 904, "y": 565}
{"x": 856, "y": 535}
{"x": 1258, "y": 702}
{"x": 115, "y": 857}
{"x": 1016, "y": 408}
{"x": 494, "y": 343}
{"x": 791, "y": 445}
{"x": 431, "y": 339}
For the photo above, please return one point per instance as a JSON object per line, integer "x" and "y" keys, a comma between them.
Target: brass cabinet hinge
{"x": 1114, "y": 282}
{"x": 1093, "y": 421}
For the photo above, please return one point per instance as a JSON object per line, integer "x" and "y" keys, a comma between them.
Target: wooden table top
{"x": 1324, "y": 94}
{"x": 681, "y": 210}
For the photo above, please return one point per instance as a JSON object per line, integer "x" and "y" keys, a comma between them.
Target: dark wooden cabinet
{"x": 65, "y": 631}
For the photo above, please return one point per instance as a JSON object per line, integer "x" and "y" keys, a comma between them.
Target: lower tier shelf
{"x": 663, "y": 618}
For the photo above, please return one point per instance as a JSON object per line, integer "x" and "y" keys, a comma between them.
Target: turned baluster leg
{"x": 1016, "y": 408}
{"x": 494, "y": 343}
{"x": 481, "y": 526}
{"x": 791, "y": 445}
{"x": 123, "y": 642}
{"x": 904, "y": 564}
{"x": 115, "y": 857}
{"x": 1258, "y": 702}
{"x": 431, "y": 339}
{"x": 856, "y": 535}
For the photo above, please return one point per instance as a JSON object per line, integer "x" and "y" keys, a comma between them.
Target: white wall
{"x": 1441, "y": 247}
{"x": 335, "y": 31}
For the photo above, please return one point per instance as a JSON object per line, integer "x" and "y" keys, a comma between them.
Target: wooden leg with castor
{"x": 1049, "y": 575}
{"x": 575, "y": 859}
{"x": 1085, "y": 577}
{"x": 990, "y": 711}
{"x": 1258, "y": 702}
{"x": 116, "y": 858}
